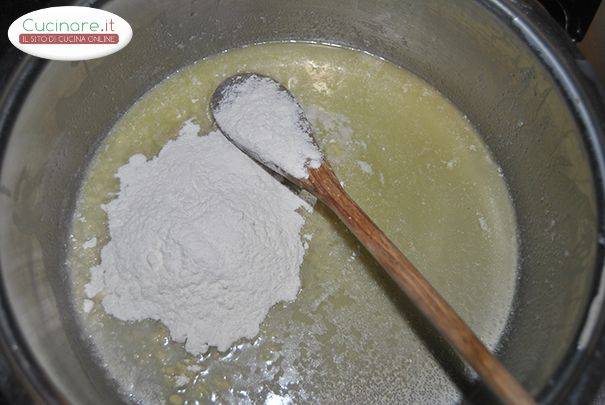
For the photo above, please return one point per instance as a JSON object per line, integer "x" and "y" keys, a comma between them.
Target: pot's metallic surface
{"x": 513, "y": 75}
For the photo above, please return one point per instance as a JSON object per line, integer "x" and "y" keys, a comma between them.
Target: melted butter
{"x": 409, "y": 158}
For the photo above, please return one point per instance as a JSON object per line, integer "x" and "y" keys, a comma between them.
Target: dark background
{"x": 575, "y": 16}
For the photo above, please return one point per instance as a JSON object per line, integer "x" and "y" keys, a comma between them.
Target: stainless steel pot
{"x": 515, "y": 75}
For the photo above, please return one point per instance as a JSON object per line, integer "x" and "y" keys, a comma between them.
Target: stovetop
{"x": 574, "y": 15}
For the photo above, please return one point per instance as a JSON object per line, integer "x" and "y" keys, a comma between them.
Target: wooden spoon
{"x": 322, "y": 183}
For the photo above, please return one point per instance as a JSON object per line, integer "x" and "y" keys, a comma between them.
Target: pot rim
{"x": 585, "y": 97}
{"x": 571, "y": 71}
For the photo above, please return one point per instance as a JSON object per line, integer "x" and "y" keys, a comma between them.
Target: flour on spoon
{"x": 266, "y": 121}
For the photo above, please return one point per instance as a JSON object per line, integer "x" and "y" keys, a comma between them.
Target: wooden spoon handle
{"x": 327, "y": 188}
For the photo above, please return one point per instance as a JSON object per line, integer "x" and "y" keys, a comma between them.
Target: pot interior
{"x": 462, "y": 48}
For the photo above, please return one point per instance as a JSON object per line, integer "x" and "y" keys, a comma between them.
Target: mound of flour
{"x": 266, "y": 121}
{"x": 202, "y": 239}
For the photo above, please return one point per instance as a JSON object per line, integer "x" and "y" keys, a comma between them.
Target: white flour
{"x": 266, "y": 122}
{"x": 202, "y": 239}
